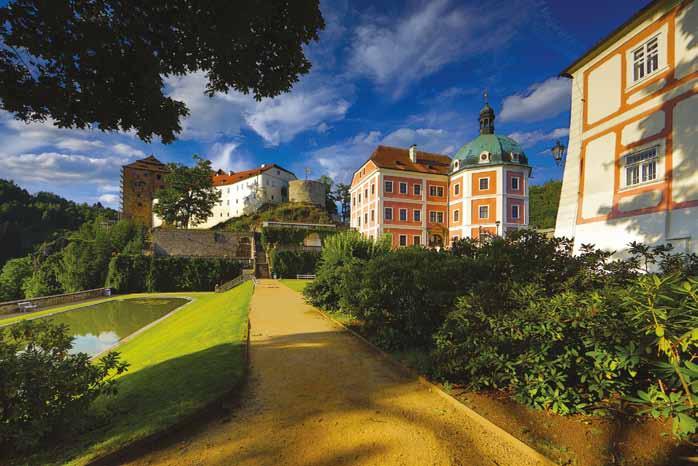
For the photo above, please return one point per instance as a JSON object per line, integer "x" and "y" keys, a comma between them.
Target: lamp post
{"x": 558, "y": 151}
{"x": 497, "y": 223}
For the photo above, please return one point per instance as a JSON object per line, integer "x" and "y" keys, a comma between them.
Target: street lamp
{"x": 497, "y": 223}
{"x": 558, "y": 152}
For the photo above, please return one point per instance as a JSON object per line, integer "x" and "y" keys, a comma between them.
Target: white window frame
{"x": 518, "y": 183}
{"x": 373, "y": 215}
{"x": 416, "y": 240}
{"x": 365, "y": 218}
{"x": 432, "y": 216}
{"x": 417, "y": 189}
{"x": 439, "y": 191}
{"x": 515, "y": 212}
{"x": 403, "y": 184}
{"x": 657, "y": 158}
{"x": 486, "y": 179}
{"x": 456, "y": 215}
{"x": 400, "y": 212}
{"x": 385, "y": 212}
{"x": 417, "y": 215}
{"x": 402, "y": 241}
{"x": 432, "y": 190}
{"x": 386, "y": 184}
{"x": 661, "y": 58}
{"x": 456, "y": 189}
{"x": 479, "y": 212}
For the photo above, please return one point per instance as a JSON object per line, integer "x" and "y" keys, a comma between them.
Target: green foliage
{"x": 342, "y": 255}
{"x": 283, "y": 236}
{"x": 137, "y": 273}
{"x": 44, "y": 281}
{"x": 68, "y": 62}
{"x": 544, "y": 200}
{"x": 27, "y": 220}
{"x": 288, "y": 212}
{"x": 44, "y": 390}
{"x": 14, "y": 273}
{"x": 330, "y": 201}
{"x": 341, "y": 194}
{"x": 403, "y": 297}
{"x": 288, "y": 264}
{"x": 188, "y": 196}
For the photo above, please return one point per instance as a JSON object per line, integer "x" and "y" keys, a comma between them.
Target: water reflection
{"x": 98, "y": 327}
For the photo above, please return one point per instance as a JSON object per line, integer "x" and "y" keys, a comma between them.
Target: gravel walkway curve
{"x": 317, "y": 396}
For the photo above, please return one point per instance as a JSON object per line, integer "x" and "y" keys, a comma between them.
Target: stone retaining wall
{"x": 202, "y": 243}
{"x": 11, "y": 307}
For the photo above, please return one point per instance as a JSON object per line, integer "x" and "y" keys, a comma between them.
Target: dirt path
{"x": 318, "y": 396}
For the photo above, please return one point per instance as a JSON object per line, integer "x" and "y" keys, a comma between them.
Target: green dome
{"x": 501, "y": 149}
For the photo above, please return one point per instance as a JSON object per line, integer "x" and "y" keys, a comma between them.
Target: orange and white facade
{"x": 424, "y": 199}
{"x": 631, "y": 172}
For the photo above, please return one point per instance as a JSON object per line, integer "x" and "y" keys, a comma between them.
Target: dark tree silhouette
{"x": 102, "y": 63}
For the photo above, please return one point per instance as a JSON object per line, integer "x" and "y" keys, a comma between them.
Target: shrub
{"x": 340, "y": 253}
{"x": 404, "y": 296}
{"x": 13, "y": 275}
{"x": 44, "y": 390}
{"x": 288, "y": 264}
{"x": 575, "y": 351}
{"x": 128, "y": 273}
{"x": 135, "y": 273}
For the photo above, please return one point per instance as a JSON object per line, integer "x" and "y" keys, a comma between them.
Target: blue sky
{"x": 395, "y": 73}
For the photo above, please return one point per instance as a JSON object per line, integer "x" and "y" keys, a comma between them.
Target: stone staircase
{"x": 261, "y": 264}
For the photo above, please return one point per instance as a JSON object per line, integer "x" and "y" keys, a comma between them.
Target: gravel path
{"x": 318, "y": 396}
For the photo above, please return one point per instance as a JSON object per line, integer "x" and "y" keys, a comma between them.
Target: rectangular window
{"x": 388, "y": 186}
{"x": 484, "y": 184}
{"x": 366, "y": 193}
{"x": 416, "y": 240}
{"x": 403, "y": 188}
{"x": 432, "y": 191}
{"x": 439, "y": 217}
{"x": 388, "y": 213}
{"x": 641, "y": 167}
{"x": 417, "y": 215}
{"x": 358, "y": 220}
{"x": 366, "y": 218}
{"x": 417, "y": 190}
{"x": 484, "y": 212}
{"x": 439, "y": 191}
{"x": 646, "y": 59}
{"x": 373, "y": 215}
{"x": 515, "y": 183}
{"x": 403, "y": 240}
{"x": 432, "y": 216}
{"x": 403, "y": 215}
{"x": 456, "y": 215}
{"x": 373, "y": 188}
{"x": 456, "y": 189}
{"x": 515, "y": 212}
{"x": 359, "y": 198}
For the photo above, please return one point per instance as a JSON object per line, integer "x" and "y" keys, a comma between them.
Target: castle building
{"x": 139, "y": 182}
{"x": 631, "y": 172}
{"x": 244, "y": 192}
{"x": 420, "y": 198}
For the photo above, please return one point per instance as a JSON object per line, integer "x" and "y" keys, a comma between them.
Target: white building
{"x": 631, "y": 172}
{"x": 244, "y": 192}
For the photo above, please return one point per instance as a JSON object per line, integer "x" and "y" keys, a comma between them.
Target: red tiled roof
{"x": 220, "y": 178}
{"x": 396, "y": 158}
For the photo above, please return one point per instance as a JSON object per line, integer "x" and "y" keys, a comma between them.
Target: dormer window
{"x": 484, "y": 157}
{"x": 514, "y": 157}
{"x": 456, "y": 164}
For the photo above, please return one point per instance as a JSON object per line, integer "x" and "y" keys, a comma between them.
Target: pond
{"x": 100, "y": 326}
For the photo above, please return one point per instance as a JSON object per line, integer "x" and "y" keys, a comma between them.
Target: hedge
{"x": 288, "y": 264}
{"x": 137, "y": 273}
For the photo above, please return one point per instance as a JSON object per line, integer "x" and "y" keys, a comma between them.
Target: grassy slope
{"x": 295, "y": 285}
{"x": 177, "y": 367}
{"x": 67, "y": 307}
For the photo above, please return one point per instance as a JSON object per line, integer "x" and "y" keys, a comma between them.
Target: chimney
{"x": 413, "y": 153}
{"x": 263, "y": 165}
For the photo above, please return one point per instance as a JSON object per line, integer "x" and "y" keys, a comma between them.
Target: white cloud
{"x": 109, "y": 200}
{"x": 540, "y": 101}
{"x": 60, "y": 168}
{"x": 397, "y": 52}
{"x": 227, "y": 156}
{"x": 128, "y": 151}
{"x": 309, "y": 105}
{"x": 79, "y": 145}
{"x": 531, "y": 138}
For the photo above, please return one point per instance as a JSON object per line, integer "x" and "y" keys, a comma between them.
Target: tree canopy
{"x": 102, "y": 63}
{"x": 27, "y": 220}
{"x": 189, "y": 195}
{"x": 544, "y": 200}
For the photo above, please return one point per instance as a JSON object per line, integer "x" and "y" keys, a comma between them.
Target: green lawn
{"x": 295, "y": 285}
{"x": 177, "y": 367}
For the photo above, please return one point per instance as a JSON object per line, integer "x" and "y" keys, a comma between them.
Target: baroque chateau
{"x": 420, "y": 198}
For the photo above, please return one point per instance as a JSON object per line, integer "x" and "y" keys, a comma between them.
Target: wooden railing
{"x": 229, "y": 285}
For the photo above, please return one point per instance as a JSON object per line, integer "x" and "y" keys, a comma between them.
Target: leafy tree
{"x": 102, "y": 62}
{"x": 44, "y": 281}
{"x": 13, "y": 275}
{"x": 189, "y": 195}
{"x": 330, "y": 204}
{"x": 27, "y": 220}
{"x": 341, "y": 195}
{"x": 544, "y": 200}
{"x": 45, "y": 390}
